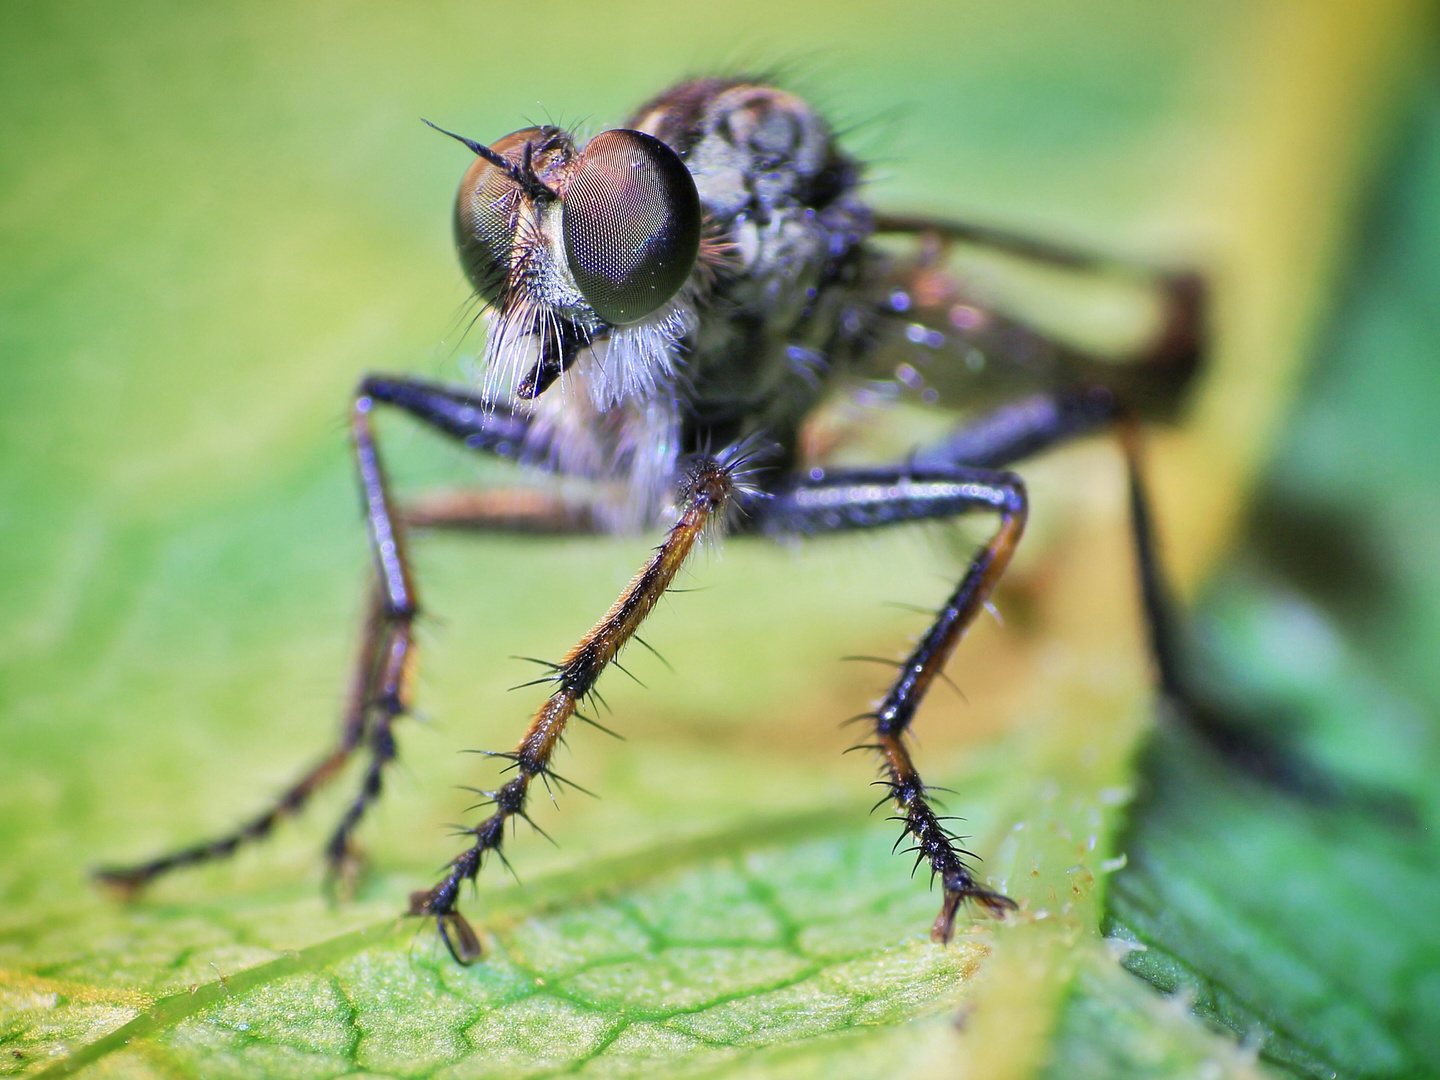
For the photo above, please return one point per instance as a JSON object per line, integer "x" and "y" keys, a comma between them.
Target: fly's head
{"x": 580, "y": 247}
{"x": 723, "y": 196}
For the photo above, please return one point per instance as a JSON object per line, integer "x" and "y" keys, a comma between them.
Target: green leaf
{"x": 216, "y": 219}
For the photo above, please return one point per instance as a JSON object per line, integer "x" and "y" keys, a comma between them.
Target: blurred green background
{"x": 214, "y": 219}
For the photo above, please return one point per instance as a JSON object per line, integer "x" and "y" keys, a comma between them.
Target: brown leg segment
{"x": 513, "y": 510}
{"x": 705, "y": 489}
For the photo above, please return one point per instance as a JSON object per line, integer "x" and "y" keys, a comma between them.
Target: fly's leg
{"x": 381, "y": 687}
{"x": 1021, "y": 430}
{"x": 380, "y": 694}
{"x": 512, "y": 510}
{"x": 851, "y": 500}
{"x": 130, "y": 879}
{"x": 1251, "y": 747}
{"x": 959, "y": 475}
{"x": 857, "y": 499}
{"x": 395, "y": 656}
{"x": 506, "y": 509}
{"x": 1155, "y": 598}
{"x": 706, "y": 487}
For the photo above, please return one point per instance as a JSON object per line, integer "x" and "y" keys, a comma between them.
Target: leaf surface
{"x": 216, "y": 220}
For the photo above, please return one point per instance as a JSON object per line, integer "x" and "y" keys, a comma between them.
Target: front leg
{"x": 706, "y": 487}
{"x": 384, "y": 669}
{"x": 856, "y": 499}
{"x": 379, "y": 695}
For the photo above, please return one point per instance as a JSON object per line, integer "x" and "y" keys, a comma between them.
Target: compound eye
{"x": 631, "y": 217}
{"x": 486, "y": 209}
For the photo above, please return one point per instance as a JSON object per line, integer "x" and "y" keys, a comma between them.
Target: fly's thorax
{"x": 759, "y": 151}
{"x": 781, "y": 194}
{"x": 751, "y": 148}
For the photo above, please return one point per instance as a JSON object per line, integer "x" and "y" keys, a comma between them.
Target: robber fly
{"x": 669, "y": 305}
